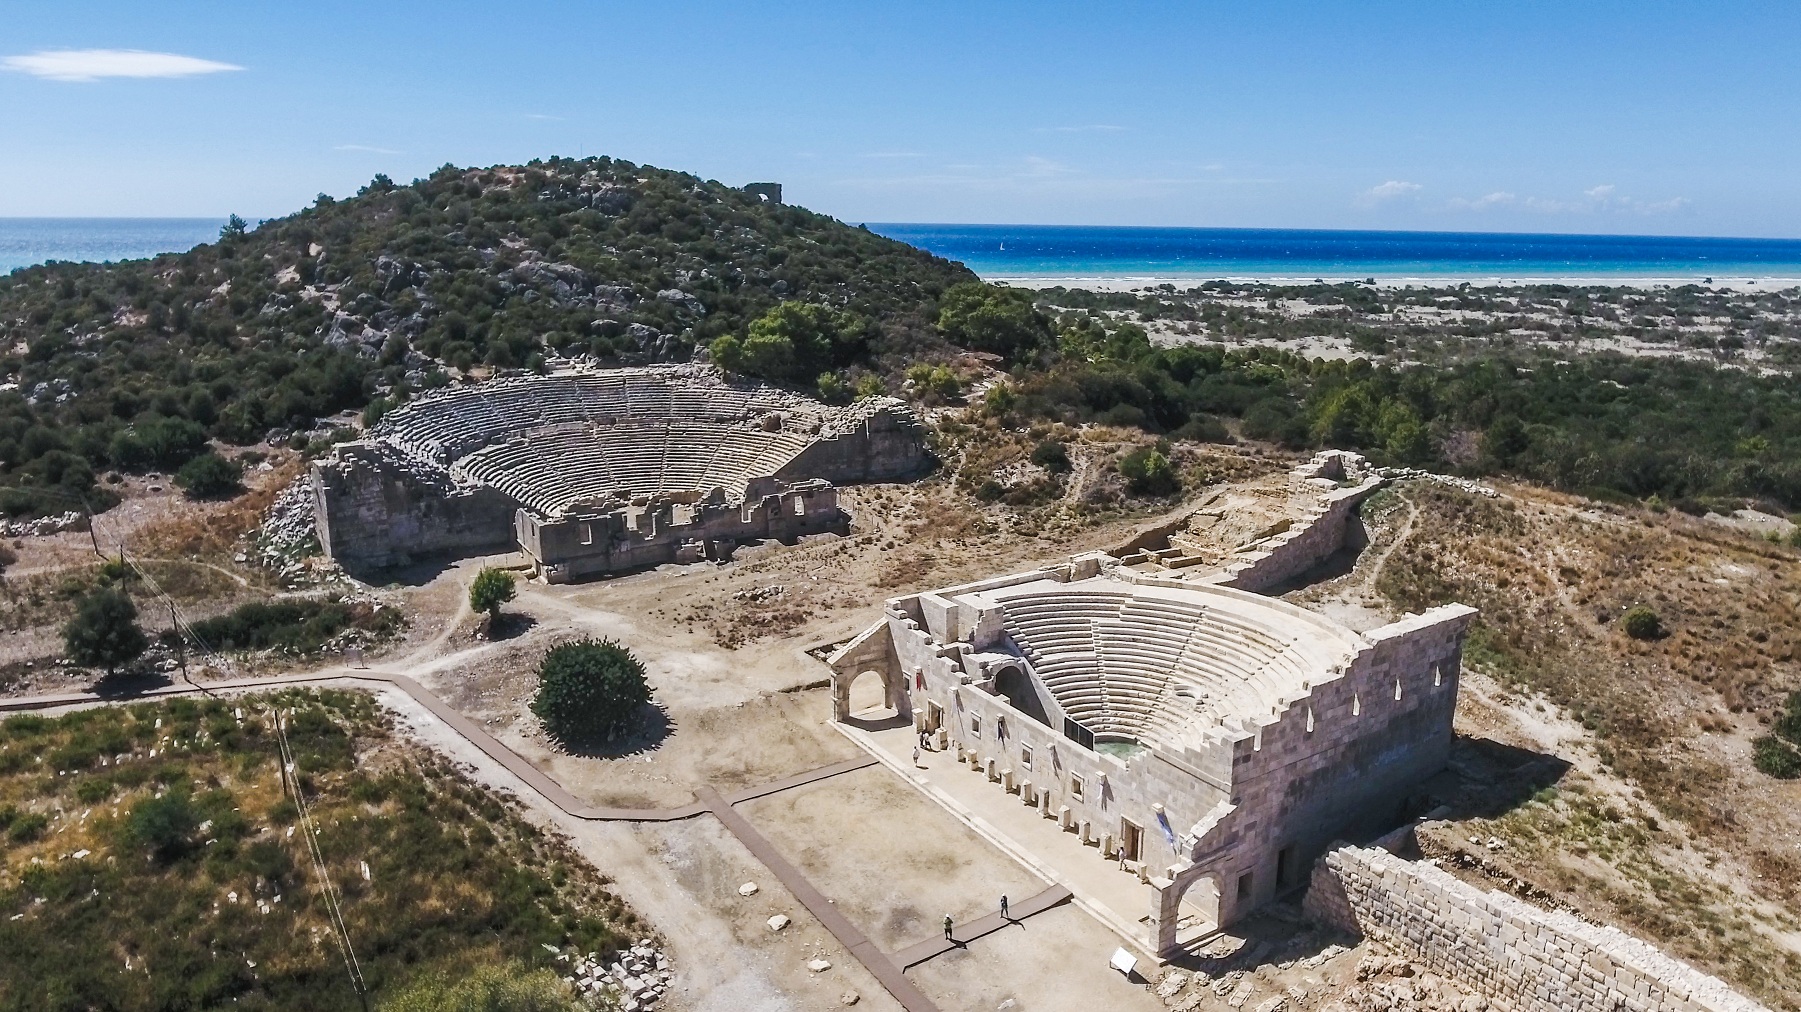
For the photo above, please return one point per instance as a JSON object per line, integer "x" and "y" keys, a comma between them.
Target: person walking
{"x": 947, "y": 928}
{"x": 916, "y": 755}
{"x": 1004, "y": 915}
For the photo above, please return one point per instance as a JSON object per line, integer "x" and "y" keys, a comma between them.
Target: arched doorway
{"x": 868, "y": 697}
{"x": 1011, "y": 681}
{"x": 1187, "y": 908}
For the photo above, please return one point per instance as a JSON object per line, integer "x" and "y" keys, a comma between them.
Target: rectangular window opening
{"x": 1075, "y": 788}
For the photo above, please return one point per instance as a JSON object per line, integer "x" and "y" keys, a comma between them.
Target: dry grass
{"x": 1712, "y": 874}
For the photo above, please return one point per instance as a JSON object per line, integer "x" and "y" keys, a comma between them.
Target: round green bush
{"x": 209, "y": 476}
{"x": 165, "y": 825}
{"x": 1051, "y": 455}
{"x": 491, "y": 589}
{"x": 1149, "y": 472}
{"x": 1641, "y": 623}
{"x": 588, "y": 689}
{"x": 104, "y": 632}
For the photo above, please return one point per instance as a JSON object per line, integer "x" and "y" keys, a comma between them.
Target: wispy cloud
{"x": 365, "y": 148}
{"x": 94, "y": 64}
{"x": 894, "y": 154}
{"x": 543, "y": 116}
{"x": 1602, "y": 199}
{"x": 1387, "y": 191}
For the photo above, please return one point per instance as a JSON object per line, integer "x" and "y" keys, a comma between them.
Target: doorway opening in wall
{"x": 1131, "y": 840}
{"x": 934, "y": 717}
{"x": 869, "y": 697}
{"x": 1285, "y": 876}
{"x": 1245, "y": 883}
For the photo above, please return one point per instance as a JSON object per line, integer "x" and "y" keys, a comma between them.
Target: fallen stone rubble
{"x": 38, "y": 526}
{"x": 1443, "y": 479}
{"x": 636, "y": 978}
{"x": 287, "y": 535}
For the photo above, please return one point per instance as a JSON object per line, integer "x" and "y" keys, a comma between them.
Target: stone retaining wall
{"x": 1519, "y": 956}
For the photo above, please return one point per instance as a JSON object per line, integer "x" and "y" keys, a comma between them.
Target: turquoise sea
{"x": 1080, "y": 251}
{"x": 1070, "y": 251}
{"x": 28, "y": 241}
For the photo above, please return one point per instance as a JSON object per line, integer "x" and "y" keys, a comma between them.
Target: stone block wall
{"x": 666, "y": 531}
{"x": 1522, "y": 958}
{"x": 1303, "y": 546}
{"x": 876, "y": 443}
{"x": 376, "y": 508}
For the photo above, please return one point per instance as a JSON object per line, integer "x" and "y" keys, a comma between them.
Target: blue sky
{"x": 1642, "y": 117}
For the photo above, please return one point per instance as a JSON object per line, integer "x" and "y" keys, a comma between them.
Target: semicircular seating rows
{"x": 554, "y": 443}
{"x": 1154, "y": 668}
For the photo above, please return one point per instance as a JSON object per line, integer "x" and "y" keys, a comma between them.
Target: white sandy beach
{"x": 1133, "y": 283}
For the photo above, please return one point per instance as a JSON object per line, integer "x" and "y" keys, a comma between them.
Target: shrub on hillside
{"x": 588, "y": 689}
{"x": 209, "y": 476}
{"x": 1641, "y": 623}
{"x": 298, "y": 626}
{"x": 1051, "y": 455}
{"x": 165, "y": 825}
{"x": 1149, "y": 472}
{"x": 1776, "y": 757}
{"x": 104, "y": 632}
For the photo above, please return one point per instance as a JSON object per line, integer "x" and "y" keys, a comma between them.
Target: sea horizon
{"x": 1137, "y": 255}
{"x": 1148, "y": 253}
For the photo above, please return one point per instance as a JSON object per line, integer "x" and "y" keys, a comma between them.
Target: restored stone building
{"x": 1210, "y": 740}
{"x": 596, "y": 471}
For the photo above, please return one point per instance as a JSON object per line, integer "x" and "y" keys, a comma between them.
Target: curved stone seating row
{"x": 1153, "y": 667}
{"x": 555, "y": 468}
{"x": 451, "y": 424}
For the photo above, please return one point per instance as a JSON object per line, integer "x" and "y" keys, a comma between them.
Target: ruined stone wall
{"x": 1288, "y": 555}
{"x": 375, "y": 508}
{"x": 877, "y": 444}
{"x": 620, "y": 540}
{"x": 1523, "y": 958}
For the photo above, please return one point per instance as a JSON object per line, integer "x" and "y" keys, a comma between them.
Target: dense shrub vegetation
{"x": 187, "y": 889}
{"x": 134, "y": 366}
{"x": 360, "y": 303}
{"x": 294, "y": 625}
{"x": 589, "y": 689}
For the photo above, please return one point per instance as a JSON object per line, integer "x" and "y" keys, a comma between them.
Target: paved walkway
{"x": 963, "y": 934}
{"x": 884, "y": 969}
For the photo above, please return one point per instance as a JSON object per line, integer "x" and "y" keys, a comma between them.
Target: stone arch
{"x": 1176, "y": 898}
{"x": 1013, "y": 684}
{"x": 872, "y": 652}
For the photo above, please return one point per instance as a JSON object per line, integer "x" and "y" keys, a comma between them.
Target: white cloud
{"x": 1388, "y": 191}
{"x": 1596, "y": 199}
{"x": 94, "y": 64}
{"x": 543, "y": 116}
{"x": 365, "y": 148}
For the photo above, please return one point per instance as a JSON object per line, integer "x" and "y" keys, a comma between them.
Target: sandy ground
{"x": 906, "y": 865}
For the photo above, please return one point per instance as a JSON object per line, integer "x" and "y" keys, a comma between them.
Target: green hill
{"x": 133, "y": 366}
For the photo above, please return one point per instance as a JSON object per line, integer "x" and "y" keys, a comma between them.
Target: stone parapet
{"x": 1522, "y": 958}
